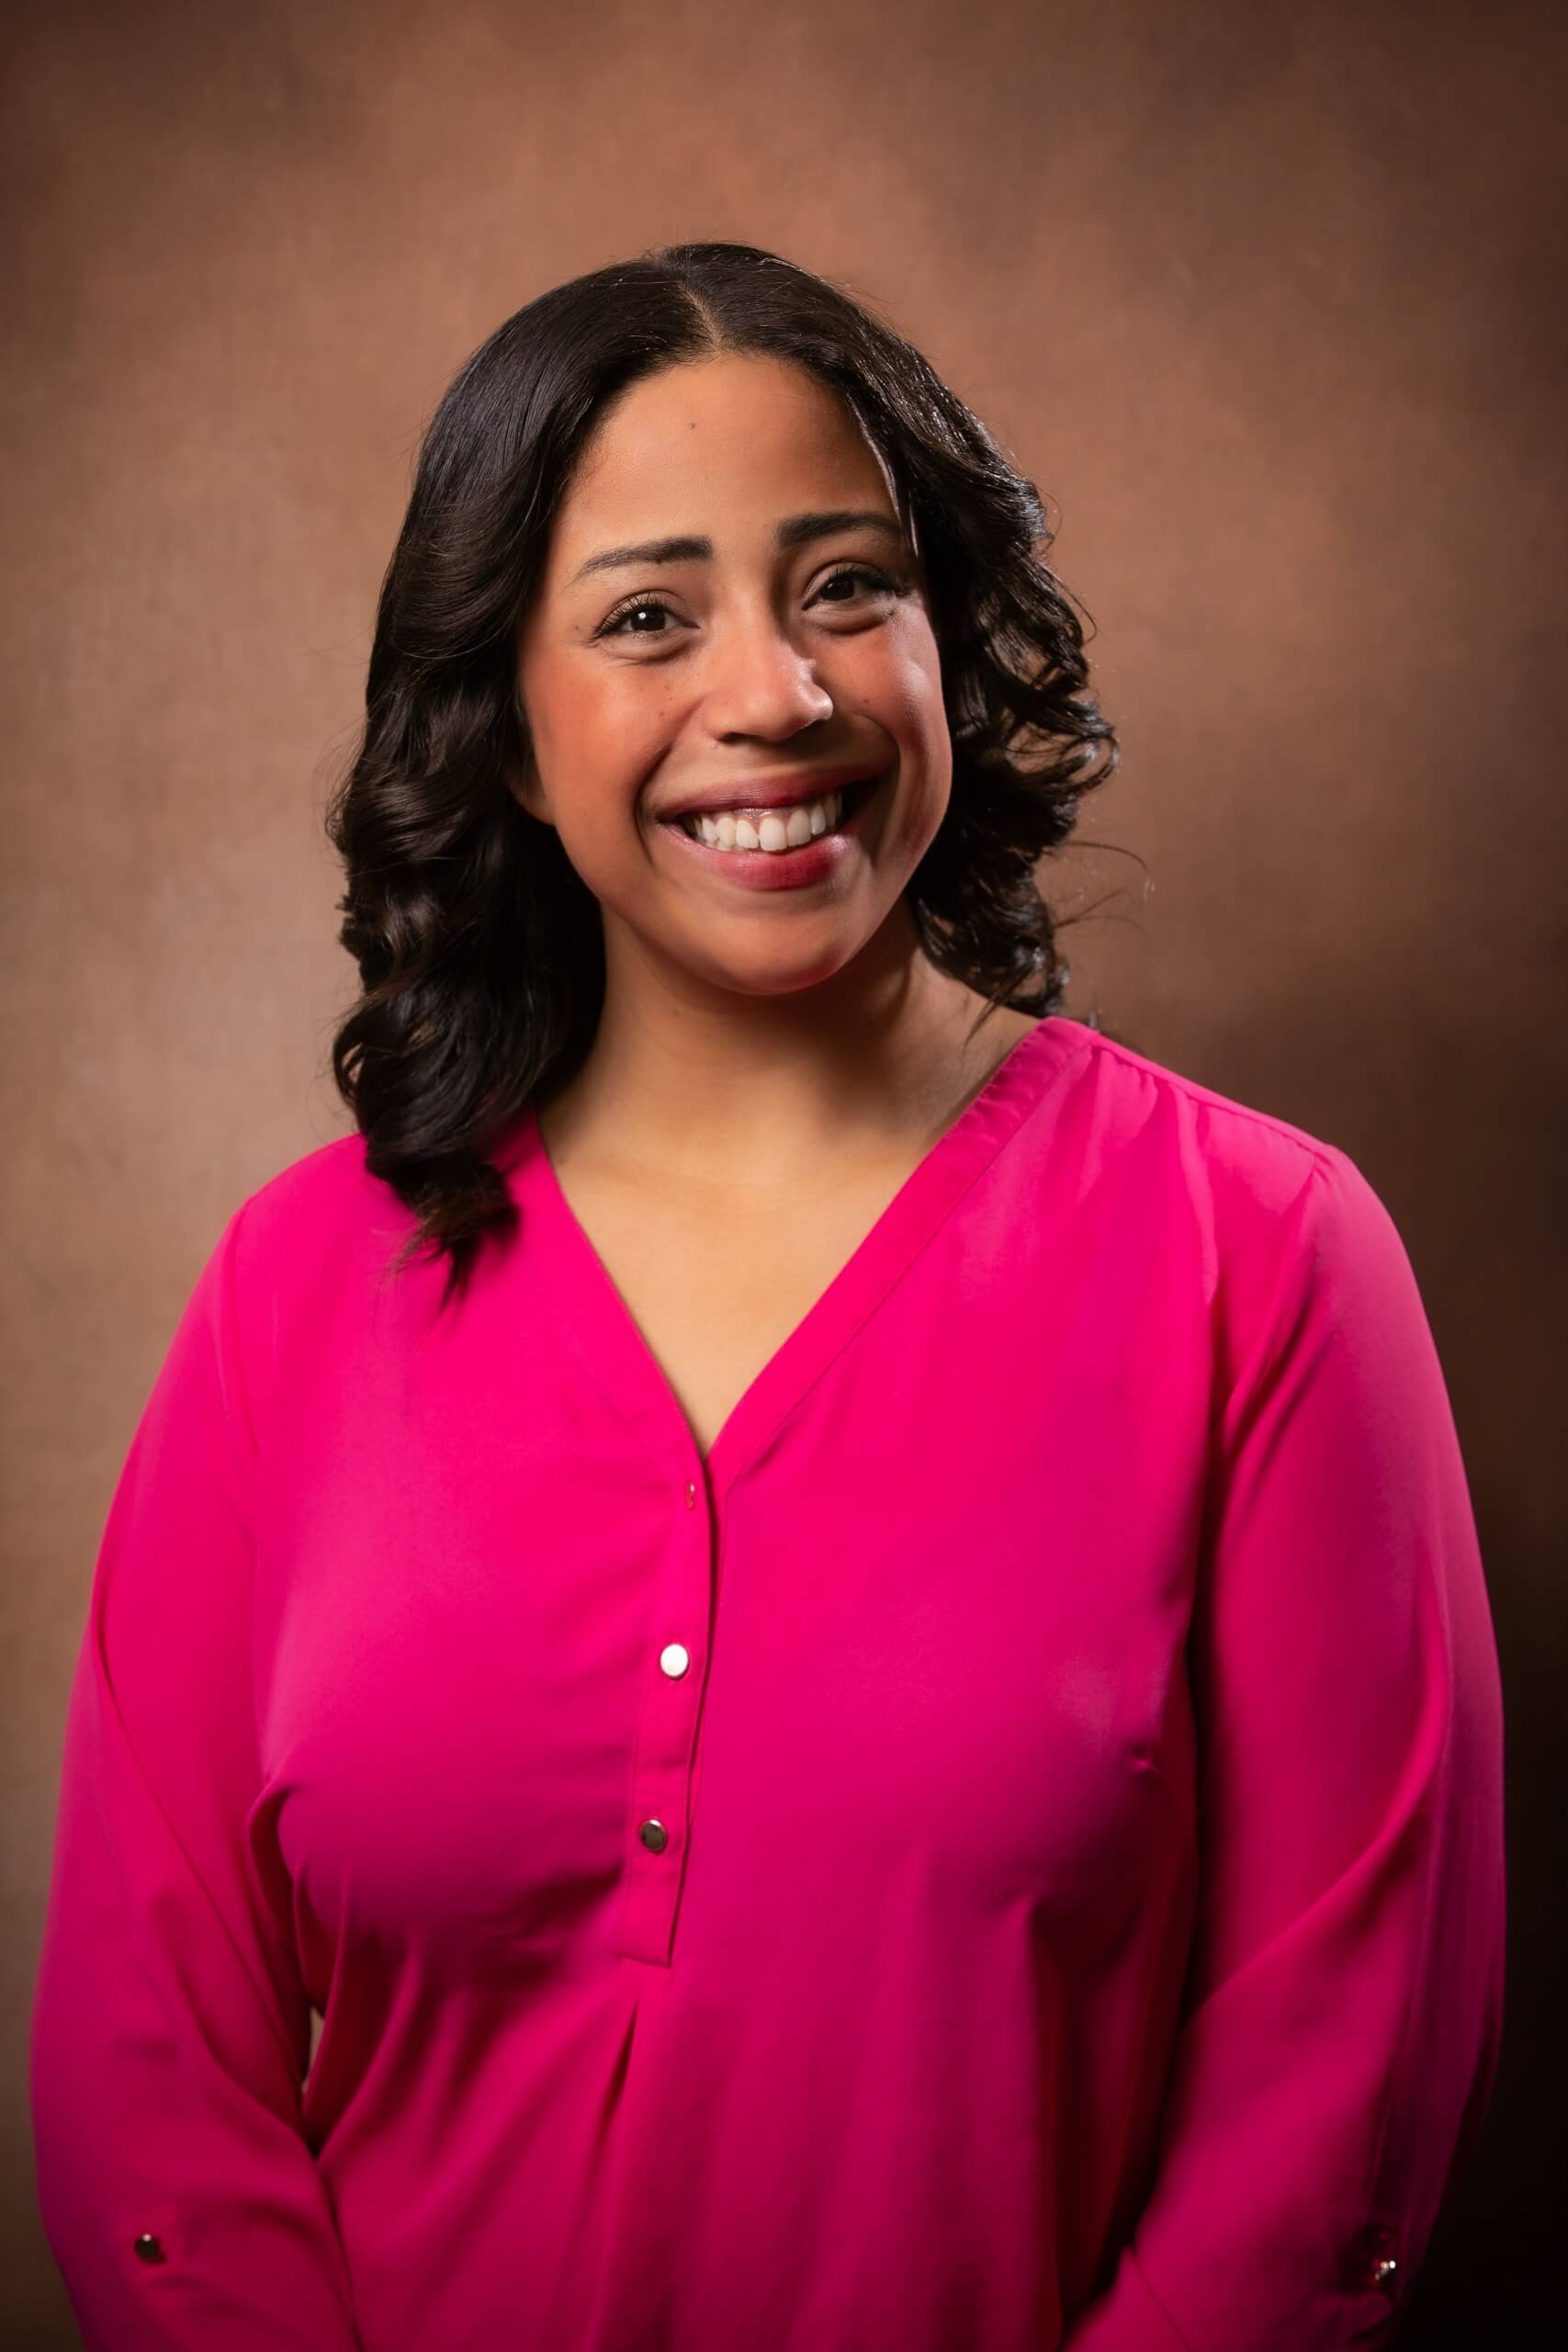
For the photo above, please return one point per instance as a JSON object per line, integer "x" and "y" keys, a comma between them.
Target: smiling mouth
{"x": 774, "y": 831}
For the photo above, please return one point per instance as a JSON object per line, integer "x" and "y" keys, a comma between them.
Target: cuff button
{"x": 148, "y": 2247}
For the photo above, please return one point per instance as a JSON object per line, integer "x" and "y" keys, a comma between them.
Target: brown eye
{"x": 611, "y": 627}
{"x": 879, "y": 580}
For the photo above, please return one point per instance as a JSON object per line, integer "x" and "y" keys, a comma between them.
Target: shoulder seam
{"x": 1208, "y": 1098}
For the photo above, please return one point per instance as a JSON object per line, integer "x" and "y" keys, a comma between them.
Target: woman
{"x": 833, "y": 1622}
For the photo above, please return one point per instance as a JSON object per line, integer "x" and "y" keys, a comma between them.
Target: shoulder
{"x": 1271, "y": 1205}
{"x": 1211, "y": 1144}
{"x": 1133, "y": 1089}
{"x": 314, "y": 1236}
{"x": 316, "y": 1199}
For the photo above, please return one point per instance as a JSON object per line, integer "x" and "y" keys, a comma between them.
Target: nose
{"x": 761, "y": 683}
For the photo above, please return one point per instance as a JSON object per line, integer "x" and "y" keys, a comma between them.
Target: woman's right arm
{"x": 170, "y": 2028}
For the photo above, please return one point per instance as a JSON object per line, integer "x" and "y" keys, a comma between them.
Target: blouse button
{"x": 654, "y": 1836}
{"x": 1374, "y": 2262}
{"x": 674, "y": 1658}
{"x": 147, "y": 2248}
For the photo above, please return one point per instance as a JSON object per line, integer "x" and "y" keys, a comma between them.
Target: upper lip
{"x": 771, "y": 791}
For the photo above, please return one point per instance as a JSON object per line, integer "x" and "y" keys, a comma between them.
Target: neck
{"x": 705, "y": 1086}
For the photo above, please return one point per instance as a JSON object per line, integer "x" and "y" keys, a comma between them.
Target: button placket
{"x": 661, "y": 1778}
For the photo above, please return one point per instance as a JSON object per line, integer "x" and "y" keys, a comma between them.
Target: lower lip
{"x": 784, "y": 869}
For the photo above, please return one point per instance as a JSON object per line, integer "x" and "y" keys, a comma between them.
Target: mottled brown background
{"x": 1269, "y": 302}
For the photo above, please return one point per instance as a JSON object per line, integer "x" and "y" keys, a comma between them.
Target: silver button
{"x": 654, "y": 1836}
{"x": 147, "y": 2248}
{"x": 1385, "y": 2273}
{"x": 674, "y": 1658}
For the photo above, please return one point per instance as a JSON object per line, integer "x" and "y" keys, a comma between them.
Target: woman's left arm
{"x": 1343, "y": 2008}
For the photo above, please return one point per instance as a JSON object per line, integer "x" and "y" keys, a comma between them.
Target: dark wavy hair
{"x": 479, "y": 948}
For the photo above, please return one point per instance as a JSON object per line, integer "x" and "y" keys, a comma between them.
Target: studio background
{"x": 1269, "y": 305}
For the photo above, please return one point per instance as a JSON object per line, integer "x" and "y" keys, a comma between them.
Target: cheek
{"x": 901, "y": 683}
{"x": 904, "y": 694}
{"x": 594, "y": 745}
{"x": 580, "y": 732}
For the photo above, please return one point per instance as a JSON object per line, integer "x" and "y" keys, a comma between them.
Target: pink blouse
{"x": 1004, "y": 1853}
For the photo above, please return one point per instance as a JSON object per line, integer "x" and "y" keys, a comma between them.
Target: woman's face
{"x": 730, "y": 608}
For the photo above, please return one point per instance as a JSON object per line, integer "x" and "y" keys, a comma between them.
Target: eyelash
{"x": 610, "y": 625}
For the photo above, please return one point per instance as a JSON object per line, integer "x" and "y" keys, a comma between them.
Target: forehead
{"x": 737, "y": 436}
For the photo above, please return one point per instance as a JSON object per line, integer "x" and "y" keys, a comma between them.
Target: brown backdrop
{"x": 1265, "y": 301}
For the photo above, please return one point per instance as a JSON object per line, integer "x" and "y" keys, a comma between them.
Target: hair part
{"x": 479, "y": 948}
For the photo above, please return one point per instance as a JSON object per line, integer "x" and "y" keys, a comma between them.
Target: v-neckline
{"x": 605, "y": 1334}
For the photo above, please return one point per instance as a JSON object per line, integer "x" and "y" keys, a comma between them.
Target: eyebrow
{"x": 794, "y": 532}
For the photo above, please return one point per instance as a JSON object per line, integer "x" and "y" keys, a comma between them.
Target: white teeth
{"x": 766, "y": 829}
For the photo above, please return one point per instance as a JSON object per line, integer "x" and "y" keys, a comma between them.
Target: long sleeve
{"x": 1341, "y": 2016}
{"x": 170, "y": 2029}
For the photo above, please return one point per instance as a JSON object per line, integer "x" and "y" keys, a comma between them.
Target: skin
{"x": 776, "y": 1042}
